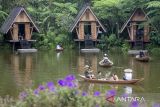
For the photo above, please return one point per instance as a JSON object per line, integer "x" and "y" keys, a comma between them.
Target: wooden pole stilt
{"x": 13, "y": 46}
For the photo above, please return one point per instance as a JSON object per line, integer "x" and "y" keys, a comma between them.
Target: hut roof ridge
{"x": 11, "y": 18}
{"x": 125, "y": 24}
{"x": 81, "y": 12}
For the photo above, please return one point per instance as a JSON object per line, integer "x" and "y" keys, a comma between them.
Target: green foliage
{"x": 3, "y": 15}
{"x": 113, "y": 40}
{"x": 109, "y": 41}
{"x": 155, "y": 51}
{"x": 125, "y": 47}
{"x": 53, "y": 22}
{"x": 155, "y": 38}
{"x": 55, "y": 17}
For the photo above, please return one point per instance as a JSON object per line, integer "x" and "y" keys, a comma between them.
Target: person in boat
{"x": 88, "y": 72}
{"x": 99, "y": 74}
{"x": 141, "y": 54}
{"x": 105, "y": 59}
{"x": 59, "y": 47}
{"x": 114, "y": 77}
{"x": 127, "y": 74}
{"x": 92, "y": 76}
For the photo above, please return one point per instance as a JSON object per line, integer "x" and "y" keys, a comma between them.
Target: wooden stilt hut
{"x": 18, "y": 29}
{"x": 86, "y": 28}
{"x": 137, "y": 28}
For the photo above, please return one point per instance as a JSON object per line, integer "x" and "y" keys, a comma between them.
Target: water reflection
{"x": 22, "y": 66}
{"x": 128, "y": 90}
{"x": 21, "y": 70}
{"x": 87, "y": 59}
{"x": 58, "y": 55}
{"x": 142, "y": 68}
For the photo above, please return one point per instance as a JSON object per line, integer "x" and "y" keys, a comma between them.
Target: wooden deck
{"x": 82, "y": 40}
{"x": 92, "y": 50}
{"x": 26, "y": 50}
{"x": 13, "y": 41}
{"x": 136, "y": 52}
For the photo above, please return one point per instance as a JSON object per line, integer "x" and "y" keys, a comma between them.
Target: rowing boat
{"x": 109, "y": 64}
{"x": 120, "y": 81}
{"x": 142, "y": 59}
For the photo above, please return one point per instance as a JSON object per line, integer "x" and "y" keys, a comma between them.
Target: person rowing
{"x": 106, "y": 59}
{"x": 59, "y": 47}
{"x": 114, "y": 77}
{"x": 99, "y": 75}
{"x": 88, "y": 72}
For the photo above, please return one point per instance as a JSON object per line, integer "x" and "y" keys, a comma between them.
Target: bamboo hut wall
{"x": 22, "y": 17}
{"x": 132, "y": 32}
{"x": 139, "y": 16}
{"x": 81, "y": 31}
{"x": 88, "y": 16}
{"x": 146, "y": 33}
{"x": 15, "y": 32}
{"x": 94, "y": 30}
{"x": 27, "y": 31}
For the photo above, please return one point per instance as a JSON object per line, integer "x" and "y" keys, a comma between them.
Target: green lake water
{"x": 21, "y": 71}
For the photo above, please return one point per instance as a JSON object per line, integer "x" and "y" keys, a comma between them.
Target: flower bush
{"x": 65, "y": 93}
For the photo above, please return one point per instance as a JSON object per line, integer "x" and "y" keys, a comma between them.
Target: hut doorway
{"x": 87, "y": 30}
{"x": 139, "y": 32}
{"x": 21, "y": 31}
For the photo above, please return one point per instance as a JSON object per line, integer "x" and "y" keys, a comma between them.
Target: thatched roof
{"x": 11, "y": 18}
{"x": 126, "y": 23}
{"x": 80, "y": 14}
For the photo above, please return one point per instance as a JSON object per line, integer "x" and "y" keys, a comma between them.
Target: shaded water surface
{"x": 20, "y": 71}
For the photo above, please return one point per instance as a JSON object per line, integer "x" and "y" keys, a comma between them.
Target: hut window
{"x": 21, "y": 31}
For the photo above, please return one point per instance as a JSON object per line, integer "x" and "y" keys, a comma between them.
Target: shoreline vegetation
{"x": 54, "y": 25}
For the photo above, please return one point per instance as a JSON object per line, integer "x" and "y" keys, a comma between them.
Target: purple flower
{"x": 97, "y": 105}
{"x": 70, "y": 77}
{"x": 134, "y": 104}
{"x": 111, "y": 93}
{"x": 62, "y": 83}
{"x": 50, "y": 84}
{"x": 41, "y": 87}
{"x": 84, "y": 93}
{"x": 51, "y": 89}
{"x": 97, "y": 93}
{"x": 156, "y": 105}
{"x": 22, "y": 95}
{"x": 36, "y": 92}
{"x": 71, "y": 84}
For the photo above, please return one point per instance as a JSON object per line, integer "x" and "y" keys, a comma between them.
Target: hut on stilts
{"x": 137, "y": 29}
{"x": 18, "y": 29}
{"x": 86, "y": 29}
